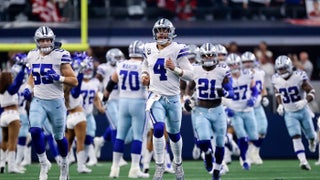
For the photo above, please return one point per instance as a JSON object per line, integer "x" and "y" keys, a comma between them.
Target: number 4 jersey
{"x": 40, "y": 65}
{"x": 291, "y": 89}
{"x": 162, "y": 80}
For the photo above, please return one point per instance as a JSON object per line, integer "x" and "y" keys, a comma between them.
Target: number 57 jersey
{"x": 40, "y": 65}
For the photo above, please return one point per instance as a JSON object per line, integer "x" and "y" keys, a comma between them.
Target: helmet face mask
{"x": 248, "y": 60}
{"x": 193, "y": 55}
{"x": 136, "y": 49}
{"x": 284, "y": 67}
{"x": 221, "y": 52}
{"x": 208, "y": 55}
{"x": 44, "y": 38}
{"x": 163, "y": 31}
{"x": 114, "y": 55}
{"x": 234, "y": 63}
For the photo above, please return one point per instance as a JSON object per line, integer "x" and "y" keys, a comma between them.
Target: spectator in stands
{"x": 257, "y": 8}
{"x": 233, "y": 48}
{"x": 304, "y": 63}
{"x": 47, "y": 11}
{"x": 160, "y": 8}
{"x": 316, "y": 9}
{"x": 239, "y": 8}
{"x": 263, "y": 49}
{"x": 186, "y": 9}
{"x": 295, "y": 9}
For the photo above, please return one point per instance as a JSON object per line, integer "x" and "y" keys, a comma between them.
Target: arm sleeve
{"x": 228, "y": 88}
{"x": 14, "y": 87}
{"x": 254, "y": 91}
{"x": 110, "y": 85}
{"x": 75, "y": 92}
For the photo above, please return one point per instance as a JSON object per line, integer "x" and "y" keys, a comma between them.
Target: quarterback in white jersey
{"x": 166, "y": 62}
{"x": 240, "y": 108}
{"x": 132, "y": 98}
{"x": 50, "y": 69}
{"x": 212, "y": 81}
{"x": 293, "y": 93}
{"x": 248, "y": 60}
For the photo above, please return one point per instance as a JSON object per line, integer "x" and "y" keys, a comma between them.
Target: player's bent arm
{"x": 115, "y": 77}
{"x": 68, "y": 74}
{"x": 307, "y": 87}
{"x": 30, "y": 82}
{"x": 98, "y": 104}
{"x": 99, "y": 77}
{"x": 186, "y": 70}
{"x": 190, "y": 88}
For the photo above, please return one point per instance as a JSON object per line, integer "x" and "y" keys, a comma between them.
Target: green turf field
{"x": 194, "y": 170}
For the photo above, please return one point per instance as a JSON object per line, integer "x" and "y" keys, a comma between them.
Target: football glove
{"x": 280, "y": 110}
{"x": 27, "y": 94}
{"x": 189, "y": 103}
{"x": 265, "y": 101}
{"x": 230, "y": 112}
{"x": 52, "y": 75}
{"x": 251, "y": 102}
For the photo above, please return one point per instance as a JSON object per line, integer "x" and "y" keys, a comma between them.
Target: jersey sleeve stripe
{"x": 182, "y": 54}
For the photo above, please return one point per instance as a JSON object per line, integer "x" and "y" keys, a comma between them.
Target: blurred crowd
{"x": 189, "y": 10}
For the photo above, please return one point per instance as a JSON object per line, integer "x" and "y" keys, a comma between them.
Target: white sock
{"x": 147, "y": 159}
{"x": 167, "y": 158}
{"x": 11, "y": 160}
{"x": 20, "y": 153}
{"x": 116, "y": 156}
{"x": 42, "y": 157}
{"x": 81, "y": 159}
{"x": 135, "y": 159}
{"x": 27, "y": 154}
{"x": 90, "y": 152}
{"x": 298, "y": 146}
{"x": 176, "y": 148}
{"x": 158, "y": 148}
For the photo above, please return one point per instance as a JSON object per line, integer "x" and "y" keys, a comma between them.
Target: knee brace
{"x": 158, "y": 129}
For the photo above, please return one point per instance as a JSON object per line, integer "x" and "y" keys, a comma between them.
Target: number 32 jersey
{"x": 40, "y": 65}
{"x": 162, "y": 80}
{"x": 291, "y": 89}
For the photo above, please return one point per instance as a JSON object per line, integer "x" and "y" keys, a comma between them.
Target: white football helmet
{"x": 44, "y": 32}
{"x": 234, "y": 62}
{"x": 248, "y": 59}
{"x": 159, "y": 26}
{"x": 194, "y": 53}
{"x": 208, "y": 55}
{"x": 114, "y": 55}
{"x": 221, "y": 51}
{"x": 136, "y": 49}
{"x": 283, "y": 66}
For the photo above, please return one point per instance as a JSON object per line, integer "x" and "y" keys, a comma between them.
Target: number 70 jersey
{"x": 162, "y": 80}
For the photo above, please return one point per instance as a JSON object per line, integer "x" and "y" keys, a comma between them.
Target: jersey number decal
{"x": 241, "y": 90}
{"x": 39, "y": 70}
{"x": 88, "y": 94}
{"x": 133, "y": 80}
{"x": 206, "y": 88}
{"x": 290, "y": 95}
{"x": 158, "y": 68}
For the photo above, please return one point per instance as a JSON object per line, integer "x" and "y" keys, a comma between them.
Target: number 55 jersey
{"x": 40, "y": 65}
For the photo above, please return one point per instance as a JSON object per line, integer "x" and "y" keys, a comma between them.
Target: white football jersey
{"x": 208, "y": 81}
{"x": 130, "y": 85}
{"x": 40, "y": 65}
{"x": 106, "y": 70}
{"x": 242, "y": 92}
{"x": 89, "y": 90}
{"x": 291, "y": 89}
{"x": 162, "y": 80}
{"x": 258, "y": 77}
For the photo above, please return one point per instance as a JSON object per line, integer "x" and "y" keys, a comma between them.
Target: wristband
{"x": 62, "y": 78}
{"x": 28, "y": 86}
{"x": 178, "y": 71}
